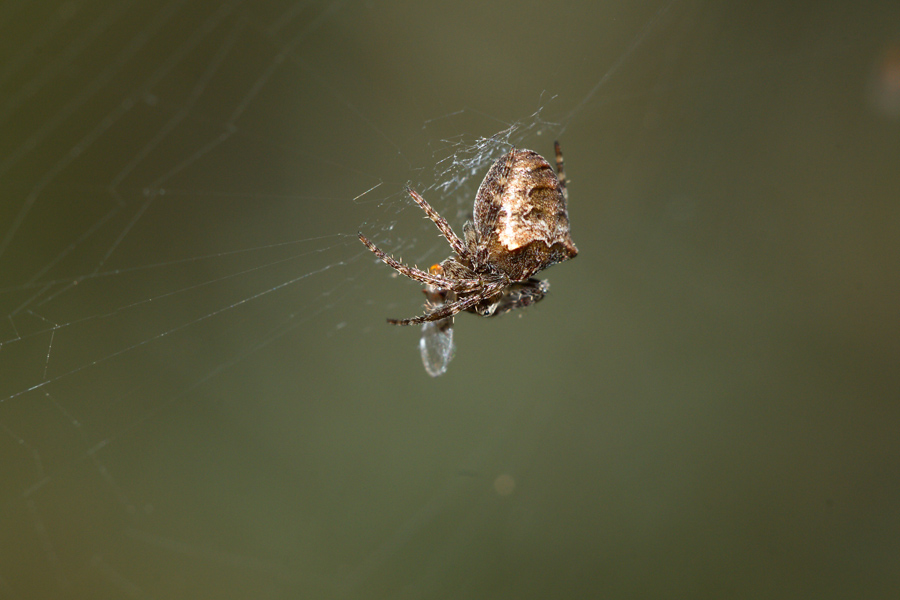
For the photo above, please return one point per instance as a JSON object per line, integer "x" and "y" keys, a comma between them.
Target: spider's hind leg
{"x": 517, "y": 295}
{"x": 561, "y": 170}
{"x": 447, "y": 310}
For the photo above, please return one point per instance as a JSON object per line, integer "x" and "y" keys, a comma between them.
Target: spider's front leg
{"x": 458, "y": 246}
{"x": 418, "y": 274}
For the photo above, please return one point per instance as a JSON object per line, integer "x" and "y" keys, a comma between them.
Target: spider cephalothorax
{"x": 520, "y": 227}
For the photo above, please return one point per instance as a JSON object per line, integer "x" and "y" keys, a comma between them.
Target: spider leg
{"x": 507, "y": 167}
{"x": 441, "y": 223}
{"x": 456, "y": 285}
{"x": 516, "y": 295}
{"x": 448, "y": 310}
{"x": 560, "y": 171}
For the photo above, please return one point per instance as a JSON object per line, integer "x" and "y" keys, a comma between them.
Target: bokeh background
{"x": 199, "y": 396}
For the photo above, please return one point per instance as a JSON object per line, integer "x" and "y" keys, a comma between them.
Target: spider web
{"x": 198, "y": 394}
{"x": 166, "y": 238}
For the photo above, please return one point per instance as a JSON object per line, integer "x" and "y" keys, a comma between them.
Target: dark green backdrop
{"x": 199, "y": 396}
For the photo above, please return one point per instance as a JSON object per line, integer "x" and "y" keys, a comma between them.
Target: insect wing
{"x": 436, "y": 346}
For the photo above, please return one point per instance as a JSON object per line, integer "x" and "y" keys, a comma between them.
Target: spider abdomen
{"x": 521, "y": 219}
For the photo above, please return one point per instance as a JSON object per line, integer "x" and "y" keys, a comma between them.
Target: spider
{"x": 520, "y": 227}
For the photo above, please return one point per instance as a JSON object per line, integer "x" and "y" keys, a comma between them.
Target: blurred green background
{"x": 199, "y": 396}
